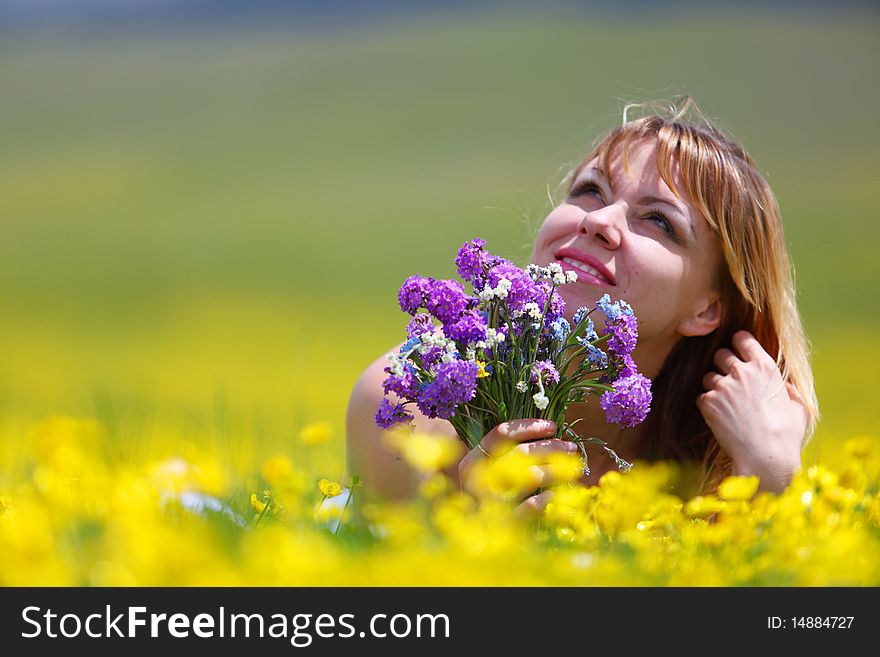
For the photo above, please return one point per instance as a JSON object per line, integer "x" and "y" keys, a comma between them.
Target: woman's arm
{"x": 756, "y": 416}
{"x": 385, "y": 474}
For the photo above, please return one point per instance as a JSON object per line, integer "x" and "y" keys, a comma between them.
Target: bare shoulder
{"x": 384, "y": 472}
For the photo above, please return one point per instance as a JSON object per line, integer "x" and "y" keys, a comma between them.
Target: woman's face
{"x": 636, "y": 242}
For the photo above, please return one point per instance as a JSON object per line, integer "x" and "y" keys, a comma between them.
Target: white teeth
{"x": 577, "y": 264}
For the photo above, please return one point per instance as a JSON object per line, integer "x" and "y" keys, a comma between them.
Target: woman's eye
{"x": 663, "y": 222}
{"x": 586, "y": 188}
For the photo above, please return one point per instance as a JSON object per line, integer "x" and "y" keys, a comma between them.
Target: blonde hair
{"x": 757, "y": 282}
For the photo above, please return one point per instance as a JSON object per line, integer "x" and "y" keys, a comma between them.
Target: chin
{"x": 574, "y": 298}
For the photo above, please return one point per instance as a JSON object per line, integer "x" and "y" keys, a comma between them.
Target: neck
{"x": 625, "y": 442}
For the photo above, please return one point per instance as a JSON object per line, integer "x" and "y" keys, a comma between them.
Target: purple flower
{"x": 470, "y": 327}
{"x": 412, "y": 293}
{"x": 542, "y": 291}
{"x": 627, "y": 366}
{"x": 522, "y": 287}
{"x": 471, "y": 263}
{"x": 630, "y": 402}
{"x": 406, "y": 386}
{"x": 546, "y": 372}
{"x": 454, "y": 383}
{"x": 420, "y": 323}
{"x": 390, "y": 414}
{"x": 431, "y": 357}
{"x": 446, "y": 300}
{"x": 624, "y": 333}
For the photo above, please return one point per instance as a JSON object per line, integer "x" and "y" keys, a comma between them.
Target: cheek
{"x": 653, "y": 273}
{"x": 557, "y": 226}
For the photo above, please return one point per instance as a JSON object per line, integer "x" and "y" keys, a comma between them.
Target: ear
{"x": 704, "y": 322}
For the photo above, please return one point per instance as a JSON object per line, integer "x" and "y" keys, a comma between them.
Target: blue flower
{"x": 579, "y": 314}
{"x": 410, "y": 344}
{"x": 560, "y": 328}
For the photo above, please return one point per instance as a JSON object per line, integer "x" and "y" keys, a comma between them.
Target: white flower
{"x": 434, "y": 339}
{"x": 541, "y": 400}
{"x": 395, "y": 364}
{"x": 470, "y": 354}
{"x": 555, "y": 273}
{"x": 499, "y": 337}
{"x": 522, "y": 386}
{"x": 571, "y": 276}
{"x": 493, "y": 338}
{"x": 535, "y": 272}
{"x": 502, "y": 288}
{"x": 487, "y": 294}
{"x": 533, "y": 310}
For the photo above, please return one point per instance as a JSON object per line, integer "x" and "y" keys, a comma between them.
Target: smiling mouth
{"x": 583, "y": 268}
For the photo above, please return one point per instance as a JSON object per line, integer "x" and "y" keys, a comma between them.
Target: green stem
{"x": 344, "y": 507}
{"x": 263, "y": 512}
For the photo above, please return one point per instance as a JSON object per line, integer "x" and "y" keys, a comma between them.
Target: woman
{"x": 676, "y": 219}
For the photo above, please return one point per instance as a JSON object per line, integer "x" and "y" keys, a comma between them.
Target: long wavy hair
{"x": 757, "y": 282}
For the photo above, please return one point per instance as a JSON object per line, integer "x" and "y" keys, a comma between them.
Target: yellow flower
{"x": 277, "y": 470}
{"x": 257, "y": 504}
{"x": 425, "y": 452}
{"x": 508, "y": 478}
{"x": 565, "y": 467}
{"x": 435, "y": 486}
{"x": 315, "y": 433}
{"x": 860, "y": 447}
{"x": 481, "y": 371}
{"x": 703, "y": 506}
{"x": 738, "y": 488}
{"x": 329, "y": 488}
{"x": 327, "y": 513}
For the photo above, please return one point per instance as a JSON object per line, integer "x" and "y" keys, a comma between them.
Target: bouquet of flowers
{"x": 507, "y": 352}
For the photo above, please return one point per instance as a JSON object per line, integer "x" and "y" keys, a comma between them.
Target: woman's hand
{"x": 757, "y": 418}
{"x": 532, "y": 438}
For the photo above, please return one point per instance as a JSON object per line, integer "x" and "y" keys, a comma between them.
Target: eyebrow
{"x": 650, "y": 200}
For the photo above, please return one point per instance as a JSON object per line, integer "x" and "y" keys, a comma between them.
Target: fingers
{"x": 499, "y": 439}
{"x": 748, "y": 347}
{"x": 793, "y": 393}
{"x": 724, "y": 360}
{"x": 534, "y": 505}
{"x": 711, "y": 380}
{"x": 548, "y": 446}
{"x": 517, "y": 431}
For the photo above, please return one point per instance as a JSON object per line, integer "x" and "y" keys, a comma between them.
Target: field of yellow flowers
{"x": 79, "y": 513}
{"x": 203, "y": 239}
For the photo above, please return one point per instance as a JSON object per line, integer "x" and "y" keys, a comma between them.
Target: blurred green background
{"x": 208, "y": 227}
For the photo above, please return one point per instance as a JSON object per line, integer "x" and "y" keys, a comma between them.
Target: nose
{"x": 604, "y": 224}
